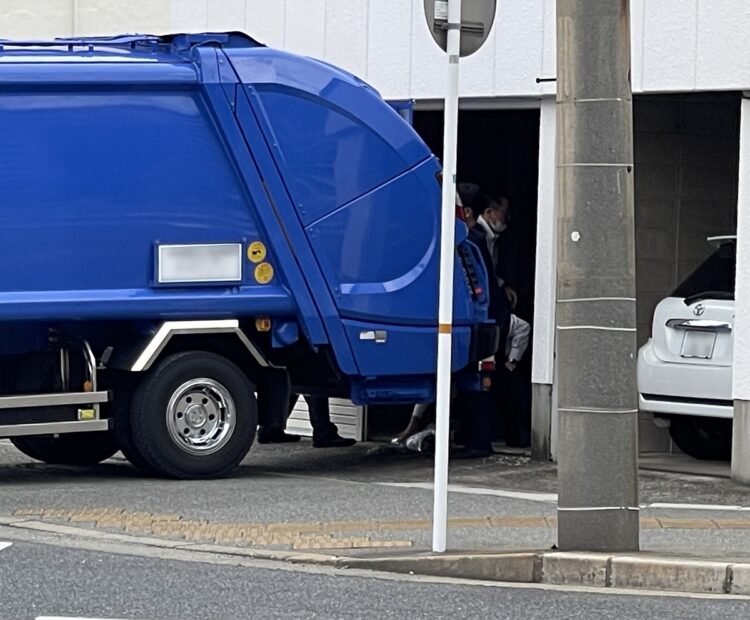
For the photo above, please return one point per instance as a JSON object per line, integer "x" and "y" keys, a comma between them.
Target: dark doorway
{"x": 499, "y": 150}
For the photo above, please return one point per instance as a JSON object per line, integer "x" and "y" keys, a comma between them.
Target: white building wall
{"x": 41, "y": 19}
{"x": 741, "y": 389}
{"x": 545, "y": 282}
{"x": 678, "y": 45}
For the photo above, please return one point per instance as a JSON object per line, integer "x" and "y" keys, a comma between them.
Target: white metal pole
{"x": 447, "y": 257}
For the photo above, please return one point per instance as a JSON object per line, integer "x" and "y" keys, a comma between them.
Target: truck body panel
{"x": 117, "y": 151}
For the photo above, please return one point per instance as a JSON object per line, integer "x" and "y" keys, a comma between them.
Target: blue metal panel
{"x": 331, "y": 157}
{"x": 95, "y": 73}
{"x": 267, "y": 219}
{"x": 405, "y": 109}
{"x": 406, "y": 350}
{"x": 145, "y": 304}
{"x": 289, "y": 229}
{"x": 344, "y": 141}
{"x": 94, "y": 178}
{"x": 380, "y": 253}
{"x": 112, "y": 146}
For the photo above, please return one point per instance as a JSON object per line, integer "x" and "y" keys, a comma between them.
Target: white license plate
{"x": 698, "y": 345}
{"x": 198, "y": 263}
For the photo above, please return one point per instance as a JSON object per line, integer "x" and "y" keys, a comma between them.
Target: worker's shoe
{"x": 275, "y": 435}
{"x": 411, "y": 429}
{"x": 332, "y": 440}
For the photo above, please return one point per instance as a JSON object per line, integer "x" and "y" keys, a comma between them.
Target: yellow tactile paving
{"x": 527, "y": 521}
{"x": 286, "y": 534}
{"x": 732, "y": 524}
{"x": 316, "y": 535}
{"x": 688, "y": 524}
{"x": 650, "y": 523}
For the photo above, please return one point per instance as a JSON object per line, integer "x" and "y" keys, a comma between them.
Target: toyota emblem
{"x": 699, "y": 310}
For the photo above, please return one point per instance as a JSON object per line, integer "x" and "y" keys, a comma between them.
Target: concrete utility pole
{"x": 596, "y": 334}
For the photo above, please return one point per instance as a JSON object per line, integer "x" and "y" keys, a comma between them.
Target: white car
{"x": 685, "y": 369}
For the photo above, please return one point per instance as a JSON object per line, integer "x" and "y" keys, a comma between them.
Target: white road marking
{"x": 5, "y": 545}
{"x": 697, "y": 507}
{"x": 552, "y": 497}
{"x": 531, "y": 496}
{"x": 460, "y": 488}
{"x": 69, "y": 618}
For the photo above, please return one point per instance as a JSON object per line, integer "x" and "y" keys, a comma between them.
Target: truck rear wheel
{"x": 73, "y": 449}
{"x": 123, "y": 385}
{"x": 702, "y": 438}
{"x": 193, "y": 416}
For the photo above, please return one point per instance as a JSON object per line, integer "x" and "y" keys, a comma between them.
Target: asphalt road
{"x": 42, "y": 580}
{"x": 298, "y": 484}
{"x": 45, "y": 574}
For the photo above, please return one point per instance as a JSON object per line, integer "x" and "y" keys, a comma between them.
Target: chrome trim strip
{"x": 53, "y": 400}
{"x": 53, "y": 428}
{"x": 178, "y": 328}
{"x": 700, "y": 325}
{"x": 90, "y": 363}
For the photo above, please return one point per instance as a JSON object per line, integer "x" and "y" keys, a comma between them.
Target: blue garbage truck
{"x": 187, "y": 218}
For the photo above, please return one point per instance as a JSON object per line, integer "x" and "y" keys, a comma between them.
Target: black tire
{"x": 156, "y": 405}
{"x": 708, "y": 439}
{"x": 123, "y": 385}
{"x": 72, "y": 449}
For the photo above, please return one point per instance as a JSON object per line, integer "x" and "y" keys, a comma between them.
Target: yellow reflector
{"x": 263, "y": 324}
{"x": 87, "y": 414}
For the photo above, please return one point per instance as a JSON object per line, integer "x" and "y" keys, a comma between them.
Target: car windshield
{"x": 714, "y": 276}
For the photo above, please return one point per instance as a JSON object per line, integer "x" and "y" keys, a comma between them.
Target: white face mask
{"x": 498, "y": 227}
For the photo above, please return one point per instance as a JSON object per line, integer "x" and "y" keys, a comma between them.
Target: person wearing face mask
{"x": 479, "y": 406}
{"x": 478, "y": 213}
{"x": 489, "y": 220}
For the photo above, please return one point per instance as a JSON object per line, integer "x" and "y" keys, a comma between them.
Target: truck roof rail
{"x": 182, "y": 41}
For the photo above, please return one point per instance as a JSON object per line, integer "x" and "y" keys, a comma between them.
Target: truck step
{"x": 53, "y": 428}
{"x": 53, "y": 400}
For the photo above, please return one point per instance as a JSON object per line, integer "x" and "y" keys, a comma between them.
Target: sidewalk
{"x": 370, "y": 506}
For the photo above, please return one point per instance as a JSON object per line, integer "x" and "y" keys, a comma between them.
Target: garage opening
{"x": 499, "y": 150}
{"x": 686, "y": 180}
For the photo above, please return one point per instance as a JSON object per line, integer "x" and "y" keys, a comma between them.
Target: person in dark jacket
{"x": 479, "y": 407}
{"x": 506, "y": 250}
{"x": 477, "y": 205}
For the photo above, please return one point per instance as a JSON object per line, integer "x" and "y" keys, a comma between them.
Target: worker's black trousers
{"x": 276, "y": 402}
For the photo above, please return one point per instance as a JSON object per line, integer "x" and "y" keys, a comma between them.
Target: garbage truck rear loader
{"x": 185, "y": 217}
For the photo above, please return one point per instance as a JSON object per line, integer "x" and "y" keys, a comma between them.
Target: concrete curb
{"x": 636, "y": 571}
{"x": 599, "y": 570}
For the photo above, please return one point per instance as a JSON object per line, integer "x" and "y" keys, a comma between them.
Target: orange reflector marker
{"x": 444, "y": 328}
{"x": 263, "y": 324}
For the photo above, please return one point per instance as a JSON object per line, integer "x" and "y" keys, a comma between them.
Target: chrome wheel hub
{"x": 201, "y": 416}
